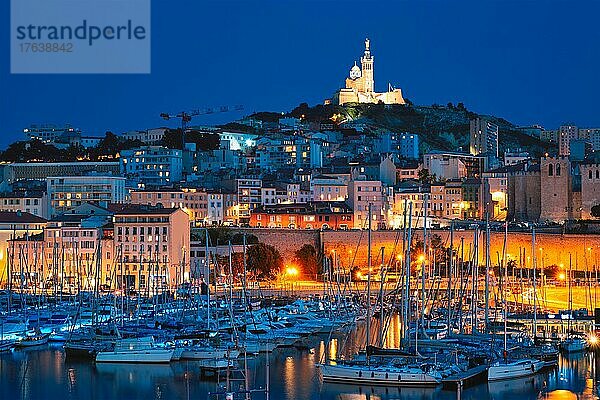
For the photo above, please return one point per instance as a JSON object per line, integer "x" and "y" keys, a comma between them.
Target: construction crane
{"x": 186, "y": 117}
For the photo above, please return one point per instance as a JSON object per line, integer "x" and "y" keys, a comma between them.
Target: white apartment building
{"x": 565, "y": 134}
{"x": 222, "y": 208}
{"x": 592, "y": 135}
{"x": 325, "y": 188}
{"x": 361, "y": 193}
{"x": 152, "y": 165}
{"x": 249, "y": 195}
{"x": 483, "y": 137}
{"x": 67, "y": 192}
{"x": 35, "y": 203}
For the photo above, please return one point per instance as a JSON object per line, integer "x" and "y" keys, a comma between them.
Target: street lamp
{"x": 398, "y": 261}
{"x": 291, "y": 273}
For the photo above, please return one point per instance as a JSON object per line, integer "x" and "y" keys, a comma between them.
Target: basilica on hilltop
{"x": 360, "y": 85}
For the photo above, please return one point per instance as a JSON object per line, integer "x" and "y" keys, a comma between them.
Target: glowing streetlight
{"x": 291, "y": 271}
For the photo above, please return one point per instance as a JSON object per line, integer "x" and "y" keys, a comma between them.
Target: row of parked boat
{"x": 214, "y": 334}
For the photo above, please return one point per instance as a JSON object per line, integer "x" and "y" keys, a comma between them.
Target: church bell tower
{"x": 366, "y": 62}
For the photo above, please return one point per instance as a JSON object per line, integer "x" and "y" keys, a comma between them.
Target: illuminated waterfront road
{"x": 550, "y": 298}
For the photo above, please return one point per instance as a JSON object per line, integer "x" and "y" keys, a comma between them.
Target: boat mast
{"x": 245, "y": 300}
{"x": 407, "y": 274}
{"x": 403, "y": 269}
{"x": 450, "y": 262}
{"x": 423, "y": 264}
{"x": 382, "y": 310}
{"x": 534, "y": 260}
{"x": 487, "y": 271}
{"x": 504, "y": 274}
{"x": 368, "y": 326}
{"x": 570, "y": 298}
{"x": 474, "y": 282}
{"x": 207, "y": 271}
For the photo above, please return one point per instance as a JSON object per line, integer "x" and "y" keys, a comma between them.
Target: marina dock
{"x": 467, "y": 377}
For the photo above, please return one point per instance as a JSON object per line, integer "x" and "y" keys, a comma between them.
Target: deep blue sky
{"x": 527, "y": 61}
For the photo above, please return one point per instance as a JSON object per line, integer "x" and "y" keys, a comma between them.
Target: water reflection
{"x": 45, "y": 374}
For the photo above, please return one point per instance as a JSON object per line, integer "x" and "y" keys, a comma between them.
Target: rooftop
{"x": 20, "y": 217}
{"x": 135, "y": 209}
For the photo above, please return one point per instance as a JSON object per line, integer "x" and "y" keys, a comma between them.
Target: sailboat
{"x": 5, "y": 344}
{"x": 36, "y": 338}
{"x": 137, "y": 350}
{"x": 572, "y": 344}
{"x": 512, "y": 369}
{"x": 386, "y": 373}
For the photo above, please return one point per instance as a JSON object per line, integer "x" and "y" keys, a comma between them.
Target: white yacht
{"x": 139, "y": 350}
{"x": 379, "y": 375}
{"x": 514, "y": 369}
{"x": 204, "y": 353}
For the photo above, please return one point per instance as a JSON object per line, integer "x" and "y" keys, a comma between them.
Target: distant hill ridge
{"x": 444, "y": 128}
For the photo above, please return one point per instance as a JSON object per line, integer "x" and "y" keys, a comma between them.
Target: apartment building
{"x": 152, "y": 246}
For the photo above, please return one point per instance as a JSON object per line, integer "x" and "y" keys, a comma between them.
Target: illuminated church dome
{"x": 355, "y": 72}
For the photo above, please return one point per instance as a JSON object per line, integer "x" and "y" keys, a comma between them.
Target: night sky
{"x": 527, "y": 61}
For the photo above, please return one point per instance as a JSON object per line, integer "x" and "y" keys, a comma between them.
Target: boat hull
{"x": 365, "y": 375}
{"x": 190, "y": 354}
{"x": 33, "y": 341}
{"x": 154, "y": 356}
{"x": 514, "y": 370}
{"x": 574, "y": 346}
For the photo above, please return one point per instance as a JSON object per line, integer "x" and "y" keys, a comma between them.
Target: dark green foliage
{"x": 204, "y": 140}
{"x": 425, "y": 177}
{"x": 33, "y": 150}
{"x": 308, "y": 260}
{"x": 267, "y": 116}
{"x": 236, "y": 126}
{"x": 111, "y": 145}
{"x": 222, "y": 235}
{"x": 264, "y": 261}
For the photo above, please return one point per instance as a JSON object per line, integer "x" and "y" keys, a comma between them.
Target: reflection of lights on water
{"x": 333, "y": 346}
{"x": 358, "y": 396}
{"x": 562, "y": 377}
{"x": 289, "y": 376}
{"x": 72, "y": 378}
{"x": 560, "y": 395}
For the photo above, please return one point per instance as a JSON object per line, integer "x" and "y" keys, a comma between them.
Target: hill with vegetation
{"x": 444, "y": 128}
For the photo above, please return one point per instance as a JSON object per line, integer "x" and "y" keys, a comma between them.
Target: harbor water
{"x": 45, "y": 373}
